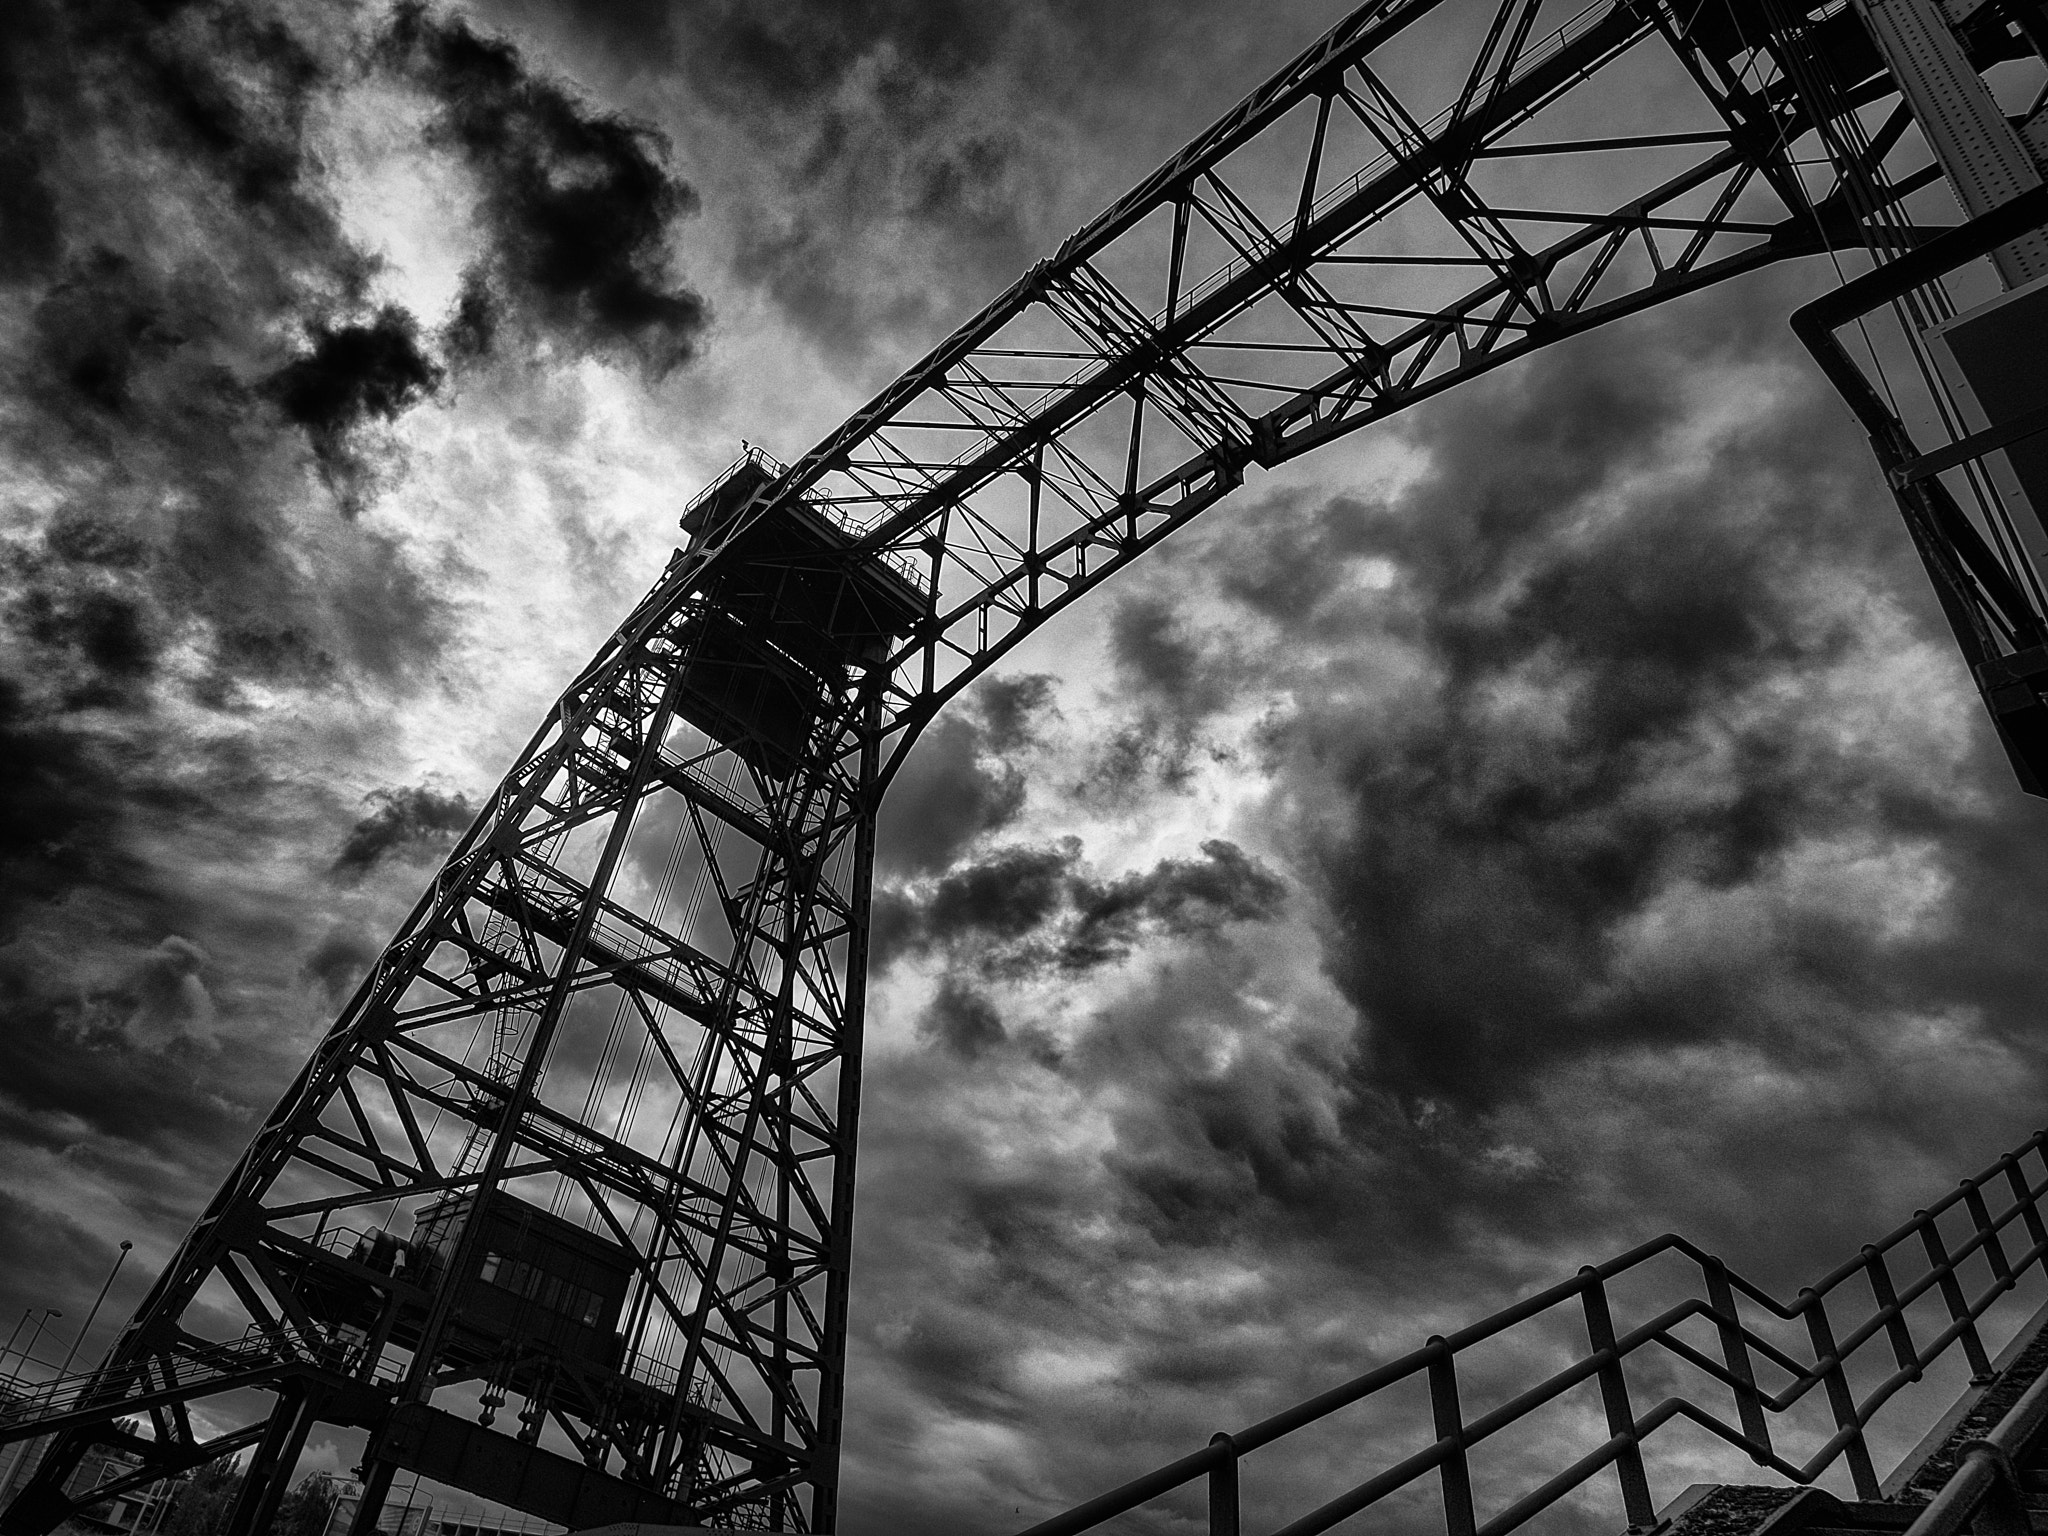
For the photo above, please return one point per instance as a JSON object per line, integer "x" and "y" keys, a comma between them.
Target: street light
{"x": 119, "y": 1259}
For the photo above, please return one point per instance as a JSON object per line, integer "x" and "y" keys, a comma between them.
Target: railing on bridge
{"x": 197, "y": 1368}
{"x": 1960, "y": 1257}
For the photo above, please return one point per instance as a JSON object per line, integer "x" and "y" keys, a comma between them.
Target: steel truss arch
{"x": 593, "y": 1112}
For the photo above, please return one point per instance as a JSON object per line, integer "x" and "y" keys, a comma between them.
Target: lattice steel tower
{"x": 585, "y": 1135}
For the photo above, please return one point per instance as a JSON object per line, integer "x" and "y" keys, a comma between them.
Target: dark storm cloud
{"x": 965, "y": 779}
{"x": 1150, "y": 644}
{"x": 1176, "y": 898}
{"x": 1169, "y": 683}
{"x": 1523, "y": 847}
{"x": 196, "y": 637}
{"x": 56, "y": 809}
{"x": 339, "y": 960}
{"x": 190, "y": 242}
{"x": 869, "y": 114}
{"x": 185, "y": 514}
{"x": 472, "y": 330}
{"x": 406, "y": 823}
{"x": 115, "y": 1070}
{"x": 1014, "y": 710}
{"x": 1663, "y": 872}
{"x": 103, "y": 630}
{"x": 248, "y": 123}
{"x": 69, "y": 1259}
{"x": 1610, "y": 746}
{"x": 795, "y": 53}
{"x": 944, "y": 799}
{"x": 161, "y": 71}
{"x": 579, "y": 205}
{"x": 98, "y": 326}
{"x": 963, "y": 1020}
{"x": 1165, "y": 1199}
{"x": 352, "y": 375}
{"x": 1603, "y": 736}
{"x": 196, "y": 377}
{"x": 165, "y": 997}
{"x": 117, "y": 1112}
{"x": 1224, "y": 1130}
{"x": 898, "y": 160}
{"x": 28, "y": 207}
{"x": 1022, "y": 909}
{"x": 1003, "y": 897}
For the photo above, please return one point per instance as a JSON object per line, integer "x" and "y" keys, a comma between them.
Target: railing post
{"x": 1887, "y": 1298}
{"x": 1454, "y": 1472}
{"x": 1749, "y": 1405}
{"x": 2023, "y": 1196}
{"x": 1994, "y": 1250}
{"x": 1840, "y": 1398}
{"x": 1223, "y": 1499}
{"x": 1636, "y": 1502}
{"x": 1952, "y": 1293}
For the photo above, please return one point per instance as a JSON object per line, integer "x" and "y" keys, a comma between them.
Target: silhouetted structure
{"x": 585, "y": 1135}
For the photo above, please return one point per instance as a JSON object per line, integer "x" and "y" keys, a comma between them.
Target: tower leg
{"x": 270, "y": 1469}
{"x": 377, "y": 1477}
{"x": 41, "y": 1505}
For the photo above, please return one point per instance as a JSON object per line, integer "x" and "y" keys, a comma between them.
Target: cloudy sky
{"x": 1553, "y": 818}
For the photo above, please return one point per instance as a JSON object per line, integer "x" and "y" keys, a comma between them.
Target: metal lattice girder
{"x": 1331, "y": 252}
{"x": 628, "y": 1011}
{"x": 731, "y": 1198}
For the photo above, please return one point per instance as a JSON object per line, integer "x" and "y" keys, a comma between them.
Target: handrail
{"x": 1987, "y": 1479}
{"x": 39, "y": 1408}
{"x": 1917, "y": 1252}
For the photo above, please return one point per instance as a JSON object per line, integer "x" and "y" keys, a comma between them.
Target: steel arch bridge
{"x": 585, "y": 1135}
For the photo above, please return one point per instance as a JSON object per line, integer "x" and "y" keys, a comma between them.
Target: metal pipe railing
{"x": 1915, "y": 1261}
{"x": 1986, "y": 1491}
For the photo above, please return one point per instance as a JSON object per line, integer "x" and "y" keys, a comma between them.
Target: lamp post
{"x": 72, "y": 1354}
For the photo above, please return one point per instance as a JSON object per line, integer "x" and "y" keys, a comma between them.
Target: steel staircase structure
{"x": 1863, "y": 1335}
{"x": 585, "y": 1135}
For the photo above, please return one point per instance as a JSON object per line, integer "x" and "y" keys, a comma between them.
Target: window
{"x": 577, "y": 1303}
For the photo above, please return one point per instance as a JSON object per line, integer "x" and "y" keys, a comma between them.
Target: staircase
{"x": 1700, "y": 1355}
{"x": 1980, "y": 1469}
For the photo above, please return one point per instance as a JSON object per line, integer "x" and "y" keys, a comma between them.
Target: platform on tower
{"x": 794, "y": 608}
